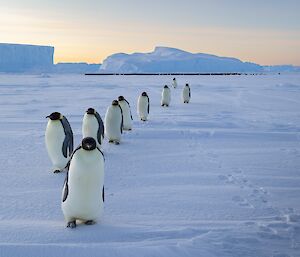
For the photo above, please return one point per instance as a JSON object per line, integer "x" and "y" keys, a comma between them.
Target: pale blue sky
{"x": 266, "y": 32}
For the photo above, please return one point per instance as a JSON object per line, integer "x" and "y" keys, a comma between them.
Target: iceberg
{"x": 25, "y": 58}
{"x": 166, "y": 59}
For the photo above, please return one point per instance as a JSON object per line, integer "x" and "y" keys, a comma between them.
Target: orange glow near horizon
{"x": 92, "y": 40}
{"x": 206, "y": 40}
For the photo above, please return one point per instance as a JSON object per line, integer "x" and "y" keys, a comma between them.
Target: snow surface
{"x": 166, "y": 59}
{"x": 24, "y": 58}
{"x": 217, "y": 177}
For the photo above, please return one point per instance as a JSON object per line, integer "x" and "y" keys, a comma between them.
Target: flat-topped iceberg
{"x": 25, "y": 58}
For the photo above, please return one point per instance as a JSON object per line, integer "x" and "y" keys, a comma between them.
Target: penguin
{"x": 127, "y": 116}
{"x": 83, "y": 190}
{"x": 143, "y": 106}
{"x": 174, "y": 83}
{"x": 166, "y": 96}
{"x": 114, "y": 123}
{"x": 92, "y": 126}
{"x": 59, "y": 141}
{"x": 186, "y": 93}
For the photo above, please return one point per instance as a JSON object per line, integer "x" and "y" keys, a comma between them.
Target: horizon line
{"x": 133, "y": 52}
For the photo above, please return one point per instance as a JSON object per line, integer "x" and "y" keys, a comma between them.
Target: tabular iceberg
{"x": 25, "y": 58}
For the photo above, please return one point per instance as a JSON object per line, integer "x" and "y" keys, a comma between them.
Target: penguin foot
{"x": 89, "y": 222}
{"x": 56, "y": 171}
{"x": 111, "y": 141}
{"x": 117, "y": 143}
{"x": 71, "y": 224}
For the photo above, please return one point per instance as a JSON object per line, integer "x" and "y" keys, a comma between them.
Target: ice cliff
{"x": 25, "y": 58}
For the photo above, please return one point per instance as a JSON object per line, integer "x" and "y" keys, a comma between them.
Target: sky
{"x": 265, "y": 32}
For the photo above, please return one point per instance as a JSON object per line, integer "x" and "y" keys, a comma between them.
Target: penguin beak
{"x": 48, "y": 116}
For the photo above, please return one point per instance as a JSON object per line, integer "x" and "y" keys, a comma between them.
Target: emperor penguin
{"x": 114, "y": 123}
{"x": 186, "y": 94}
{"x": 174, "y": 83}
{"x": 143, "y": 106}
{"x": 59, "y": 141}
{"x": 127, "y": 116}
{"x": 166, "y": 96}
{"x": 83, "y": 190}
{"x": 92, "y": 126}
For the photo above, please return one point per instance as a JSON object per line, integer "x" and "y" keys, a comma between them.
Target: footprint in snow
{"x": 241, "y": 201}
{"x": 259, "y": 194}
{"x": 227, "y": 178}
{"x": 293, "y": 217}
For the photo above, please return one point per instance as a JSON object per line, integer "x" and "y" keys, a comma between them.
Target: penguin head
{"x": 55, "y": 116}
{"x": 115, "y": 102}
{"x": 121, "y": 98}
{"x": 144, "y": 94}
{"x": 174, "y": 79}
{"x": 90, "y": 111}
{"x": 166, "y": 86}
{"x": 88, "y": 143}
{"x": 186, "y": 84}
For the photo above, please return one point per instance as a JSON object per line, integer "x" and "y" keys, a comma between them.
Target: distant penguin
{"x": 143, "y": 106}
{"x": 166, "y": 96}
{"x": 92, "y": 126}
{"x": 59, "y": 141}
{"x": 83, "y": 191}
{"x": 114, "y": 123}
{"x": 127, "y": 116}
{"x": 186, "y": 94}
{"x": 174, "y": 83}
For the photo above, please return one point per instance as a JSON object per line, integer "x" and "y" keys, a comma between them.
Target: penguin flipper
{"x": 189, "y": 93}
{"x": 65, "y": 147}
{"x": 129, "y": 108}
{"x": 68, "y": 143}
{"x": 66, "y": 188}
{"x": 101, "y": 153}
{"x": 130, "y": 113}
{"x": 122, "y": 119}
{"x": 100, "y": 132}
{"x": 103, "y": 198}
{"x": 148, "y": 105}
{"x": 69, "y": 162}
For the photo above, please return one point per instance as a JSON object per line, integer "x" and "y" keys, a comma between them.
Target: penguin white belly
{"x": 174, "y": 83}
{"x": 127, "y": 122}
{"x": 166, "y": 97}
{"x": 90, "y": 127}
{"x": 85, "y": 185}
{"x": 143, "y": 107}
{"x": 113, "y": 120}
{"x": 54, "y": 138}
{"x": 185, "y": 95}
